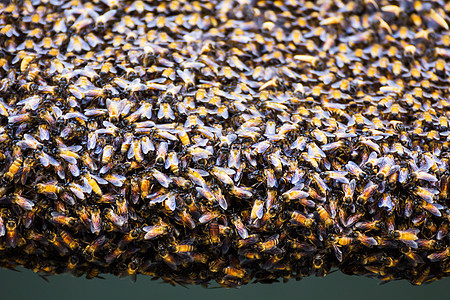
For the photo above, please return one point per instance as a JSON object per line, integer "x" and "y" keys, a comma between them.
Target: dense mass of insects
{"x": 232, "y": 141}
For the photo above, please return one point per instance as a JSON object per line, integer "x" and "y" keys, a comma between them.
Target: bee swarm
{"x": 233, "y": 141}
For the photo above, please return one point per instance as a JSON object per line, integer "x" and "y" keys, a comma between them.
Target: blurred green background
{"x": 27, "y": 285}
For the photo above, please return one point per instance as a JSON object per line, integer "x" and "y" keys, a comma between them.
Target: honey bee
{"x": 69, "y": 241}
{"x": 234, "y": 272}
{"x": 409, "y": 236}
{"x": 241, "y": 192}
{"x": 12, "y": 236}
{"x": 426, "y": 194}
{"x": 166, "y": 112}
{"x": 23, "y": 202}
{"x": 92, "y": 248}
{"x": 153, "y": 232}
{"x": 14, "y": 168}
{"x": 240, "y": 227}
{"x": 186, "y": 219}
{"x": 92, "y": 183}
{"x": 367, "y": 192}
{"x": 95, "y": 221}
{"x": 223, "y": 175}
{"x": 324, "y": 216}
{"x": 57, "y": 242}
{"x": 169, "y": 259}
{"x": 59, "y": 218}
{"x": 161, "y": 153}
{"x": 114, "y": 218}
{"x": 298, "y": 218}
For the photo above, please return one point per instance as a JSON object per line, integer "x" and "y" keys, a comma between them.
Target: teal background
{"x": 27, "y": 285}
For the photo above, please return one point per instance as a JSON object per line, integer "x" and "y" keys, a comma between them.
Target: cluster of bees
{"x": 227, "y": 141}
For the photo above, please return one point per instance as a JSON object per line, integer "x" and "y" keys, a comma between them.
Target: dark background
{"x": 27, "y": 285}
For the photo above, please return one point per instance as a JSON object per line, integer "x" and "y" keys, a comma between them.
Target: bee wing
{"x": 147, "y": 145}
{"x": 226, "y": 170}
{"x": 95, "y": 224}
{"x": 426, "y": 176}
{"x": 386, "y": 202}
{"x": 352, "y": 185}
{"x": 261, "y": 147}
{"x": 2, "y": 227}
{"x": 271, "y": 179}
{"x": 74, "y": 170}
{"x": 87, "y": 187}
{"x": 369, "y": 241}
{"x": 99, "y": 180}
{"x": 412, "y": 244}
{"x": 163, "y": 179}
{"x": 202, "y": 173}
{"x": 221, "y": 199}
{"x": 429, "y": 162}
{"x": 171, "y": 202}
{"x": 392, "y": 170}
{"x": 77, "y": 190}
{"x": 115, "y": 179}
{"x": 257, "y": 209}
{"x": 159, "y": 199}
{"x": 70, "y": 159}
{"x": 438, "y": 19}
{"x": 151, "y": 233}
{"x": 403, "y": 175}
{"x": 438, "y": 256}
{"x": 337, "y": 252}
{"x": 47, "y": 159}
{"x": 242, "y": 231}
{"x": 24, "y": 203}
{"x": 433, "y": 208}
